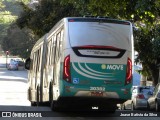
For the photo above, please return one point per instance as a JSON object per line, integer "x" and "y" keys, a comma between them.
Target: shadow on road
{"x": 46, "y": 112}
{"x": 12, "y": 76}
{"x": 13, "y": 80}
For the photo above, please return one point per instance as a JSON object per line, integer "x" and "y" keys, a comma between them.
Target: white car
{"x": 140, "y": 95}
{"x": 154, "y": 100}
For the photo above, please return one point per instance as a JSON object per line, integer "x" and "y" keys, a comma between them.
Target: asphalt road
{"x": 14, "y": 103}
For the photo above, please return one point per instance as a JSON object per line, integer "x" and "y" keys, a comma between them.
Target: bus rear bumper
{"x": 97, "y": 94}
{"x": 90, "y": 101}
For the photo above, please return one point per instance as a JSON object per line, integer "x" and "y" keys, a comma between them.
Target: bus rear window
{"x": 98, "y": 51}
{"x": 100, "y": 34}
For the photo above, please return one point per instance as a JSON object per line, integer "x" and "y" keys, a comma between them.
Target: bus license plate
{"x": 98, "y": 94}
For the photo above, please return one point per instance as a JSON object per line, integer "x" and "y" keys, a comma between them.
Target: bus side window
{"x": 49, "y": 53}
{"x": 38, "y": 61}
{"x": 53, "y": 58}
{"x": 61, "y": 40}
{"x": 54, "y": 50}
{"x": 57, "y": 46}
{"x": 41, "y": 51}
{"x": 34, "y": 63}
{"x": 34, "y": 70}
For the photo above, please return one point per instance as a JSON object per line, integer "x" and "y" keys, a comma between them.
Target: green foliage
{"x": 46, "y": 15}
{"x": 49, "y": 12}
{"x": 18, "y": 42}
{"x": 9, "y": 11}
{"x": 6, "y": 17}
{"x": 136, "y": 10}
{"x": 13, "y": 7}
{"x": 144, "y": 14}
{"x": 147, "y": 43}
{"x": 8, "y": 14}
{"x": 156, "y": 47}
{"x": 1, "y": 5}
{"x": 141, "y": 12}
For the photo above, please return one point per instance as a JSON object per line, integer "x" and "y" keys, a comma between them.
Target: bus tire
{"x": 33, "y": 103}
{"x": 54, "y": 106}
{"x": 37, "y": 96}
{"x": 132, "y": 106}
{"x": 29, "y": 94}
{"x": 108, "y": 109}
{"x": 50, "y": 95}
{"x": 157, "y": 107}
{"x": 112, "y": 111}
{"x": 148, "y": 106}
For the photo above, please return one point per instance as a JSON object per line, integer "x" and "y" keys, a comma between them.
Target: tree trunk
{"x": 155, "y": 74}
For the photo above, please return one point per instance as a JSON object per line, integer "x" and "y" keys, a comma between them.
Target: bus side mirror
{"x": 150, "y": 93}
{"x": 27, "y": 63}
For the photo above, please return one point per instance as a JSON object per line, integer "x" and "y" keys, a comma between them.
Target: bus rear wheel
{"x": 157, "y": 107}
{"x": 109, "y": 109}
{"x": 54, "y": 106}
{"x": 33, "y": 103}
{"x": 37, "y": 96}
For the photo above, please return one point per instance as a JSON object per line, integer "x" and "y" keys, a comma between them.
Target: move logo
{"x": 115, "y": 67}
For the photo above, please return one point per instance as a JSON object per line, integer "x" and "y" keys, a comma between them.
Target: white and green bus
{"x": 82, "y": 61}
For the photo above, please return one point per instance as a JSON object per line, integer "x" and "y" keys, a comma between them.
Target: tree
{"x": 46, "y": 15}
{"x": 143, "y": 13}
{"x": 135, "y": 10}
{"x": 10, "y": 10}
{"x": 18, "y": 42}
{"x": 1, "y": 5}
{"x": 147, "y": 42}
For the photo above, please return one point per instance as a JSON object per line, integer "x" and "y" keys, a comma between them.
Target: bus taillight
{"x": 129, "y": 72}
{"x": 66, "y": 69}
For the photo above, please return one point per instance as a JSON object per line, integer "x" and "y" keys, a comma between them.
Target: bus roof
{"x": 101, "y": 20}
{"x": 39, "y": 42}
